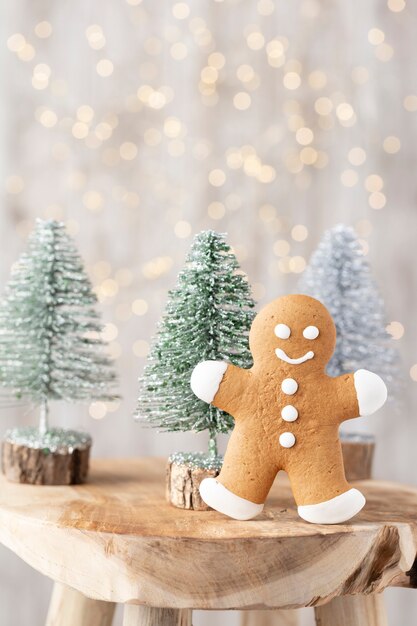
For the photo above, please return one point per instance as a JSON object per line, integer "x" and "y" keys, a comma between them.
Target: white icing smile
{"x": 302, "y": 359}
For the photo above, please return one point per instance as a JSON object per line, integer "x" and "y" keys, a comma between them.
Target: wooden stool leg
{"x": 269, "y": 618}
{"x": 353, "y": 611}
{"x": 69, "y": 607}
{"x": 138, "y": 615}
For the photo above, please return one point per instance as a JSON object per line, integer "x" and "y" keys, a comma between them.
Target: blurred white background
{"x": 140, "y": 123}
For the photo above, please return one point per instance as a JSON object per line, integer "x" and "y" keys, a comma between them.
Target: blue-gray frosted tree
{"x": 340, "y": 277}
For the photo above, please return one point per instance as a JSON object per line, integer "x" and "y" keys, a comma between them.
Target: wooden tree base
{"x": 60, "y": 458}
{"x": 184, "y": 476}
{"x": 358, "y": 454}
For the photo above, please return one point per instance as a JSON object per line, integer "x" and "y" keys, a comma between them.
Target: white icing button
{"x": 311, "y": 332}
{"x": 289, "y": 413}
{"x": 282, "y": 331}
{"x": 287, "y": 440}
{"x": 289, "y": 386}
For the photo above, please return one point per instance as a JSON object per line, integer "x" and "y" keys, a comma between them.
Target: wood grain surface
{"x": 116, "y": 539}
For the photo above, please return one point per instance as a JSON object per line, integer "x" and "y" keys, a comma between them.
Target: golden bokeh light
{"x": 374, "y": 182}
{"x": 182, "y": 229}
{"x": 216, "y": 210}
{"x": 323, "y": 106}
{"x": 291, "y": 80}
{"x": 93, "y": 200}
{"x": 267, "y": 213}
{"x": 128, "y": 150}
{"x": 104, "y": 68}
{"x": 413, "y": 372}
{"x": 391, "y": 144}
{"x": 16, "y": 42}
{"x": 317, "y": 79}
{"x": 395, "y": 329}
{"x": 109, "y": 332}
{"x": 14, "y": 185}
{"x": 299, "y": 232}
{"x": 349, "y": 178}
{"x": 217, "y": 177}
{"x": 376, "y": 36}
{"x": 178, "y": 51}
{"x": 97, "y": 410}
{"x": 181, "y": 10}
{"x": 255, "y": 40}
{"x": 48, "y": 118}
{"x": 43, "y": 30}
{"x": 281, "y": 248}
{"x": 140, "y": 307}
{"x": 304, "y": 136}
{"x": 396, "y": 6}
{"x": 95, "y": 37}
{"x": 141, "y": 348}
{"x": 410, "y": 103}
{"x": 356, "y": 156}
{"x": 377, "y": 200}
{"x": 79, "y": 130}
{"x": 242, "y": 101}
{"x": 344, "y": 111}
{"x": 265, "y": 7}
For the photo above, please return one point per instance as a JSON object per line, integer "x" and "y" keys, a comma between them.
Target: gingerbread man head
{"x": 292, "y": 332}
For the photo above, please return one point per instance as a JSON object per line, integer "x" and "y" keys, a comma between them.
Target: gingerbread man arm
{"x": 358, "y": 394}
{"x": 221, "y": 384}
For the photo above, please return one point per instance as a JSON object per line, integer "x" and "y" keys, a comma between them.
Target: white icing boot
{"x": 335, "y": 511}
{"x": 221, "y": 499}
{"x": 206, "y": 378}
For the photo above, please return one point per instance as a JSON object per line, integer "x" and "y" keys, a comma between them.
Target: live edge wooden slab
{"x": 116, "y": 539}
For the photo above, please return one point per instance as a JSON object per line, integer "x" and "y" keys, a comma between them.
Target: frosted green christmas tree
{"x": 208, "y": 316}
{"x": 339, "y": 276}
{"x": 50, "y": 346}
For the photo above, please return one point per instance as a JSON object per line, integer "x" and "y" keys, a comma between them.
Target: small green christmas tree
{"x": 208, "y": 316}
{"x": 50, "y": 347}
{"x": 339, "y": 276}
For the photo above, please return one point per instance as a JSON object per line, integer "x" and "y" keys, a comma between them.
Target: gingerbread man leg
{"x": 320, "y": 489}
{"x": 244, "y": 481}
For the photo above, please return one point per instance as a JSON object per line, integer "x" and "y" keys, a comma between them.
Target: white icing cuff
{"x": 335, "y": 511}
{"x": 206, "y": 379}
{"x": 370, "y": 390}
{"x": 221, "y": 499}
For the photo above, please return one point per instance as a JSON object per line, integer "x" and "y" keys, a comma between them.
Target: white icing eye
{"x": 311, "y": 332}
{"x": 282, "y": 331}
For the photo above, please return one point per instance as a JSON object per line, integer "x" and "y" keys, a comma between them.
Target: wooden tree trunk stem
{"x": 69, "y": 607}
{"x": 44, "y": 417}
{"x": 358, "y": 610}
{"x": 137, "y": 615}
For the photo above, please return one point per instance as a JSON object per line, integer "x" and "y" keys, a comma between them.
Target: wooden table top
{"x": 117, "y": 539}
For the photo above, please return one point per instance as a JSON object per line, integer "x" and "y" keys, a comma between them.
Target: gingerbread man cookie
{"x": 287, "y": 413}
